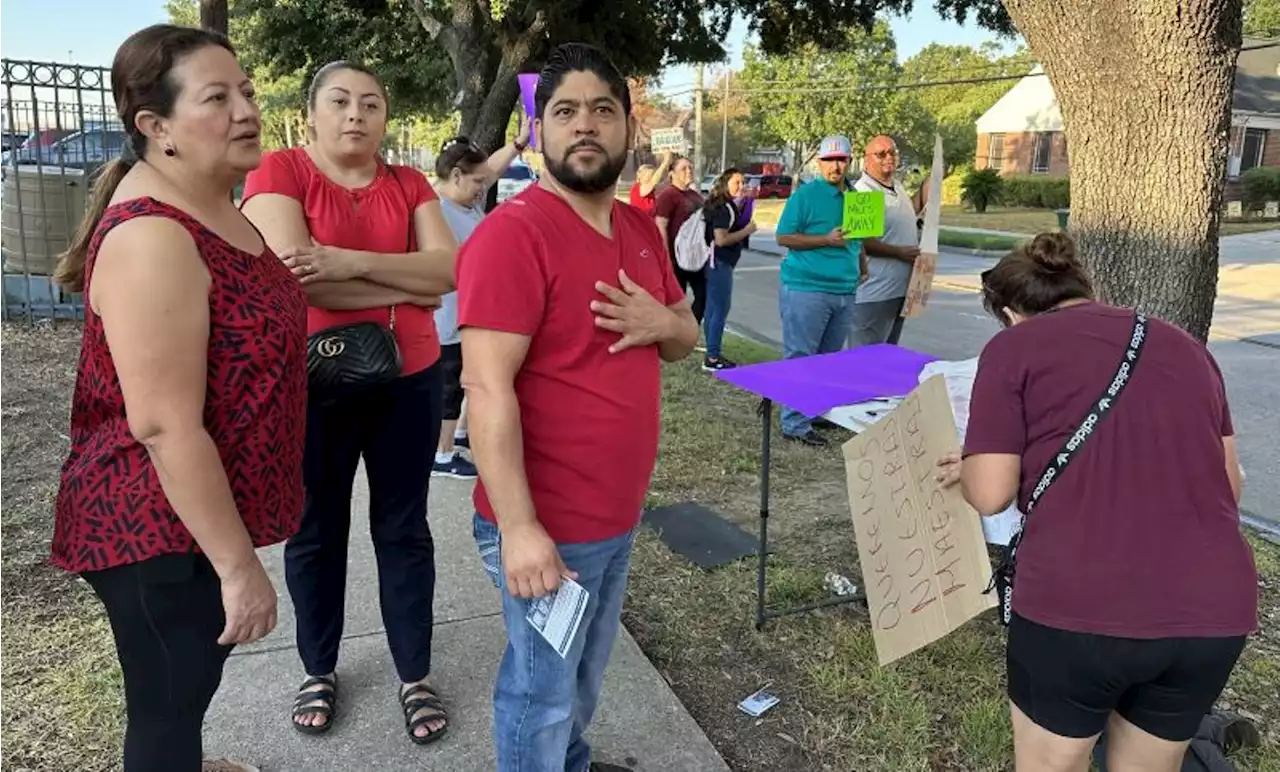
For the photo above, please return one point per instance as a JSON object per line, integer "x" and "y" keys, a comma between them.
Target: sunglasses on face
{"x": 883, "y": 154}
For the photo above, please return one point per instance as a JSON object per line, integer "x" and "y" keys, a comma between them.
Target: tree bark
{"x": 1145, "y": 89}
{"x": 213, "y": 15}
{"x": 486, "y": 78}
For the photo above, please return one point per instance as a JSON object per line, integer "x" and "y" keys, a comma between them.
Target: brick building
{"x": 1022, "y": 132}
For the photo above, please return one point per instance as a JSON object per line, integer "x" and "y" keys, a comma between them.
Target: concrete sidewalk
{"x": 640, "y": 722}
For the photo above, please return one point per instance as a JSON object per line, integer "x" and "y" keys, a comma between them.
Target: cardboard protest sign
{"x": 863, "y": 214}
{"x": 921, "y": 284}
{"x": 667, "y": 140}
{"x": 923, "y": 556}
{"x": 926, "y": 263}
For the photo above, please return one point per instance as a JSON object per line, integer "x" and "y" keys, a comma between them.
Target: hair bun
{"x": 1054, "y": 252}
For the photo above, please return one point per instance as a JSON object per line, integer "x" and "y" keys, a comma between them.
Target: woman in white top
{"x": 464, "y": 172}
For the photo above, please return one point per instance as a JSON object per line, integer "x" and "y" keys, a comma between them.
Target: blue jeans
{"x": 542, "y": 704}
{"x": 812, "y": 323}
{"x": 719, "y": 300}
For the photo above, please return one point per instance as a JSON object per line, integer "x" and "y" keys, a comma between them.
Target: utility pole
{"x": 697, "y": 130}
{"x": 724, "y": 130}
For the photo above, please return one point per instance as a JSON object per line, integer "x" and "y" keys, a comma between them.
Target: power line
{"x": 887, "y": 86}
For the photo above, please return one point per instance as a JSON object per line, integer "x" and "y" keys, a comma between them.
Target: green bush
{"x": 951, "y": 185}
{"x": 1036, "y": 191}
{"x": 981, "y": 188}
{"x": 1261, "y": 184}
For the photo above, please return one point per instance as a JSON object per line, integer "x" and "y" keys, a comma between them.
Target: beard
{"x": 598, "y": 180}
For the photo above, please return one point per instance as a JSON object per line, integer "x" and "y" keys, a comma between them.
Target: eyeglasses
{"x": 883, "y": 154}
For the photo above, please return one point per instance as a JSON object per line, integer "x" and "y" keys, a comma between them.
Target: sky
{"x": 88, "y": 32}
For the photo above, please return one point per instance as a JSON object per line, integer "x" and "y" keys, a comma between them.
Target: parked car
{"x": 87, "y": 150}
{"x": 516, "y": 178}
{"x": 771, "y": 185}
{"x": 707, "y": 182}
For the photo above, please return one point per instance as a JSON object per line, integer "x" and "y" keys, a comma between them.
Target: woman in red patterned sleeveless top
{"x": 374, "y": 253}
{"x": 187, "y": 420}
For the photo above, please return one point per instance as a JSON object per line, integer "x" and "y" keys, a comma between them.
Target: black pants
{"x": 695, "y": 281}
{"x": 395, "y": 428}
{"x": 166, "y": 614}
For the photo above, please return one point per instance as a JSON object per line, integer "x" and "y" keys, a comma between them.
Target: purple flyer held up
{"x": 813, "y": 385}
{"x": 528, "y": 84}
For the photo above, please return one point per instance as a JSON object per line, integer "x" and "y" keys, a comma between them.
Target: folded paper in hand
{"x": 556, "y": 616}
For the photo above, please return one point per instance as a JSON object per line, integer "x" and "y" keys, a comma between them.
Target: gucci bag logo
{"x": 330, "y": 347}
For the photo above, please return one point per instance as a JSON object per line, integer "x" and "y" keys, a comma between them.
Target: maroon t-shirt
{"x": 1140, "y": 536}
{"x": 676, "y": 205}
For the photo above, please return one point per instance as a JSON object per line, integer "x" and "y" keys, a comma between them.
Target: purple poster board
{"x": 813, "y": 385}
{"x": 528, "y": 84}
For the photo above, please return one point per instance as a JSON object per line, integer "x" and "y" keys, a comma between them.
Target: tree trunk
{"x": 213, "y": 15}
{"x": 1145, "y": 90}
{"x": 484, "y": 69}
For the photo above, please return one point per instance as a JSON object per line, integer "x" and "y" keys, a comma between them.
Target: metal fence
{"x": 60, "y": 127}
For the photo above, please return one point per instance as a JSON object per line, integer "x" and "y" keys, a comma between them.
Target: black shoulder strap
{"x": 1100, "y": 409}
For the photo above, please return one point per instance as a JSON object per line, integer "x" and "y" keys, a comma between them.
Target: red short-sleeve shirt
{"x": 1140, "y": 537}
{"x": 676, "y": 205}
{"x": 645, "y": 204}
{"x": 375, "y": 218}
{"x": 589, "y": 418}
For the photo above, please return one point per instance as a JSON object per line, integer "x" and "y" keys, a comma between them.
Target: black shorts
{"x": 1069, "y": 683}
{"x": 451, "y": 367}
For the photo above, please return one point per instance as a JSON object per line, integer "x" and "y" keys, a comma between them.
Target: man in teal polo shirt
{"x": 820, "y": 273}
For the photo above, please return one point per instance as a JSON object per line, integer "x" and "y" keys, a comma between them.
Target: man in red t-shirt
{"x": 568, "y": 306}
{"x": 675, "y": 204}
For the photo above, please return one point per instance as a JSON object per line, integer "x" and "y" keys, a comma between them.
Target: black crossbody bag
{"x": 1002, "y": 577}
{"x": 348, "y": 358}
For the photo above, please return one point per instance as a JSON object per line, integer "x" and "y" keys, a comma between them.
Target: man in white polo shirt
{"x": 877, "y": 310}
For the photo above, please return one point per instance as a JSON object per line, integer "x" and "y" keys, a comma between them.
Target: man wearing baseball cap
{"x": 820, "y": 272}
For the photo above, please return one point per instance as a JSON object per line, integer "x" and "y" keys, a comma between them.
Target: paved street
{"x": 1245, "y": 341}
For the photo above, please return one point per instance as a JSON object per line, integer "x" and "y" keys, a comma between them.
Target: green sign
{"x": 863, "y": 215}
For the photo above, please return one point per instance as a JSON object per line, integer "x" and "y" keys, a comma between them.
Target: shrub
{"x": 952, "y": 184}
{"x": 1036, "y": 191}
{"x": 981, "y": 188}
{"x": 1261, "y": 184}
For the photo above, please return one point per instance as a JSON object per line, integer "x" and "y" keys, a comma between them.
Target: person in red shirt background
{"x": 675, "y": 204}
{"x": 643, "y": 192}
{"x": 370, "y": 244}
{"x": 1135, "y": 588}
{"x": 566, "y": 298}
{"x": 187, "y": 418}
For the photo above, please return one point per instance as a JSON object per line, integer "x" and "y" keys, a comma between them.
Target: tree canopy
{"x": 1262, "y": 18}
{"x": 801, "y": 97}
{"x": 955, "y": 108}
{"x": 441, "y": 55}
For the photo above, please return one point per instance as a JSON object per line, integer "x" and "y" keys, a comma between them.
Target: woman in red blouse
{"x": 187, "y": 419}
{"x": 370, "y": 244}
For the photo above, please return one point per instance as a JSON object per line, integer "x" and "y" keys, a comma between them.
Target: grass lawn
{"x": 61, "y": 686}
{"x": 941, "y": 708}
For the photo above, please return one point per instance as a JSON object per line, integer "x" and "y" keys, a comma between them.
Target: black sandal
{"x": 313, "y": 691}
{"x": 421, "y": 697}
